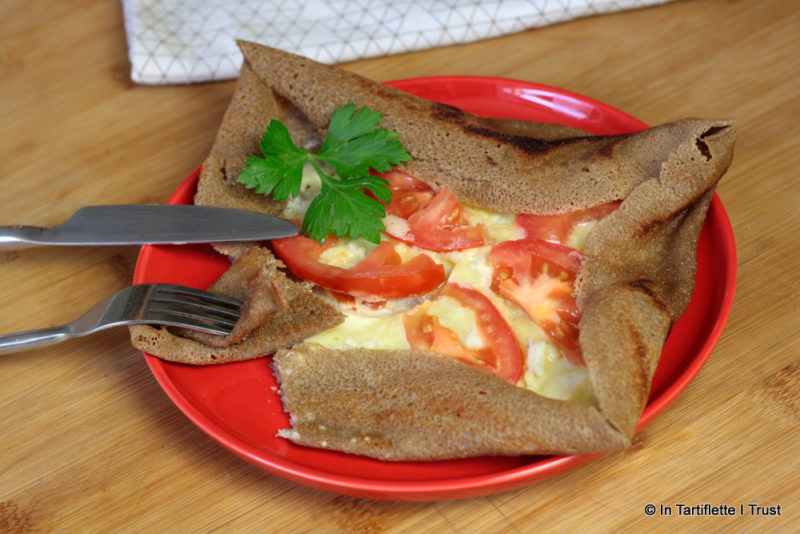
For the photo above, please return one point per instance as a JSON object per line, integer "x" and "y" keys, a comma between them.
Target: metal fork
{"x": 163, "y": 304}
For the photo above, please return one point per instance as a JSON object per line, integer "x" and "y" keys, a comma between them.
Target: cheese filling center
{"x": 545, "y": 370}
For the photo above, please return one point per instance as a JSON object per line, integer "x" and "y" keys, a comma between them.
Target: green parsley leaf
{"x": 281, "y": 169}
{"x": 343, "y": 209}
{"x": 352, "y": 147}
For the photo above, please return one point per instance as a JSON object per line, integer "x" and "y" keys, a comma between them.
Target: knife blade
{"x": 138, "y": 224}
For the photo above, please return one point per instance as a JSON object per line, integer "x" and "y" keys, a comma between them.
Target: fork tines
{"x": 206, "y": 311}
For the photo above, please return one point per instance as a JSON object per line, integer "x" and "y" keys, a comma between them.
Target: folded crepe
{"x": 636, "y": 279}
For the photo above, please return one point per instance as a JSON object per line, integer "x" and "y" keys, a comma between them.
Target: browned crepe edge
{"x": 484, "y": 164}
{"x": 653, "y": 235}
{"x": 409, "y": 405}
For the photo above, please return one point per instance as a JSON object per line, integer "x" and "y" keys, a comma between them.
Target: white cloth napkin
{"x": 184, "y": 41}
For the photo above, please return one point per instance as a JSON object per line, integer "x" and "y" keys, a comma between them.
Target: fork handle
{"x": 32, "y": 339}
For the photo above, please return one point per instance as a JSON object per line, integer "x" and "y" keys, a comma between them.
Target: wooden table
{"x": 88, "y": 440}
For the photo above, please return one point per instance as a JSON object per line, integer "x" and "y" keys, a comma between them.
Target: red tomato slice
{"x": 558, "y": 227}
{"x": 436, "y": 221}
{"x": 539, "y": 276}
{"x": 409, "y": 195}
{"x": 502, "y": 356}
{"x": 441, "y": 226}
{"x": 382, "y": 273}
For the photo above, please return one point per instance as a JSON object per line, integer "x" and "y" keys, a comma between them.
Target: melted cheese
{"x": 551, "y": 375}
{"x": 461, "y": 320}
{"x": 577, "y": 238}
{"x": 395, "y": 225}
{"x": 499, "y": 226}
{"x": 347, "y": 252}
{"x": 310, "y": 186}
{"x": 371, "y": 332}
{"x": 547, "y": 372}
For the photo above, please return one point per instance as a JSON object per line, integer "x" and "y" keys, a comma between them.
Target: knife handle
{"x": 17, "y": 237}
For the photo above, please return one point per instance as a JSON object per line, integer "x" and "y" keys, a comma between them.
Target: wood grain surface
{"x": 90, "y": 443}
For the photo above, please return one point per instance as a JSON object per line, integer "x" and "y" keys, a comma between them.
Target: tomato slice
{"x": 502, "y": 354}
{"x": 382, "y": 273}
{"x": 409, "y": 195}
{"x": 558, "y": 227}
{"x": 539, "y": 277}
{"x": 436, "y": 221}
{"x": 442, "y": 227}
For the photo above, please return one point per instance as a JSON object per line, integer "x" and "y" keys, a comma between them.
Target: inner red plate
{"x": 238, "y": 405}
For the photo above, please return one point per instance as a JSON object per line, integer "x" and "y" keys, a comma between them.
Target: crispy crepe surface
{"x": 636, "y": 280}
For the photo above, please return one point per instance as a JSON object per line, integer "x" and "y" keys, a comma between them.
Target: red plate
{"x": 237, "y": 404}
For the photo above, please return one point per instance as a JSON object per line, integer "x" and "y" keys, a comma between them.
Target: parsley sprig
{"x": 352, "y": 146}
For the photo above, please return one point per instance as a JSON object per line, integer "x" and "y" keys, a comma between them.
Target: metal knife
{"x": 138, "y": 224}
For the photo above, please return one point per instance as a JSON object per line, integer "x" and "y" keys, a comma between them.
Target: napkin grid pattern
{"x": 185, "y": 41}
